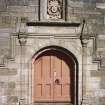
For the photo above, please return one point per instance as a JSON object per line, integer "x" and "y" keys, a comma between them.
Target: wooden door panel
{"x": 43, "y": 77}
{"x": 57, "y": 78}
{"x": 57, "y": 67}
{"x": 46, "y": 68}
{"x": 53, "y": 77}
{"x": 38, "y": 91}
{"x": 47, "y": 80}
{"x": 65, "y": 73}
{"x": 62, "y": 89}
{"x": 57, "y": 91}
{"x": 38, "y": 71}
{"x": 48, "y": 90}
{"x": 47, "y": 93}
{"x": 66, "y": 90}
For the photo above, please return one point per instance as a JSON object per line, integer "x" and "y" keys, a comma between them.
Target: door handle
{"x": 57, "y": 81}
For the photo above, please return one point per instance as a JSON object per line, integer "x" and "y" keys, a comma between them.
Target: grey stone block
{"x": 101, "y": 43}
{"x": 12, "y": 99}
{"x": 17, "y": 2}
{"x": 2, "y": 5}
{"x": 11, "y": 85}
{"x": 97, "y": 73}
{"x": 33, "y": 2}
{"x": 7, "y": 72}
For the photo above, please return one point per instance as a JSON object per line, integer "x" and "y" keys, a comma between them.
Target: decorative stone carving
{"x": 54, "y": 9}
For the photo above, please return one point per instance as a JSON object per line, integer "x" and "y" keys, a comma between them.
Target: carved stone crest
{"x": 54, "y": 9}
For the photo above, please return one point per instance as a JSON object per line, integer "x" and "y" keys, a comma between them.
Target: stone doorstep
{"x": 52, "y": 103}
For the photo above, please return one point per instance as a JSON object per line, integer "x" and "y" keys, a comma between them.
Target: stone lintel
{"x": 60, "y": 24}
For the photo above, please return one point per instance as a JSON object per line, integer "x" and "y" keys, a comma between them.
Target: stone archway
{"x": 54, "y": 76}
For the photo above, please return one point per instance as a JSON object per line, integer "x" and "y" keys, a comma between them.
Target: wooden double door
{"x": 53, "y": 77}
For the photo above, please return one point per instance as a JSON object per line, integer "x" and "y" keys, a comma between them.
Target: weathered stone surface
{"x": 98, "y": 73}
{"x": 75, "y": 3}
{"x": 33, "y": 2}
{"x": 17, "y": 2}
{"x": 2, "y": 5}
{"x": 101, "y": 43}
{"x": 100, "y": 5}
{"x": 7, "y": 72}
{"x": 15, "y": 76}
{"x": 11, "y": 85}
{"x": 8, "y": 21}
{"x": 24, "y": 9}
{"x": 13, "y": 99}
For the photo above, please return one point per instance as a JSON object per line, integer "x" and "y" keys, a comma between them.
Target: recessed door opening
{"x": 54, "y": 77}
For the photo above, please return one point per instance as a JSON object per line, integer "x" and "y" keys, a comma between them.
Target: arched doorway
{"x": 54, "y": 76}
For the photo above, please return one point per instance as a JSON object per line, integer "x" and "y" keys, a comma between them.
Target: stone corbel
{"x": 22, "y": 37}
{"x": 84, "y": 38}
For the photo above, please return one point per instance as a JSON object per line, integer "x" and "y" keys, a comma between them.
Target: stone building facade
{"x": 73, "y": 27}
